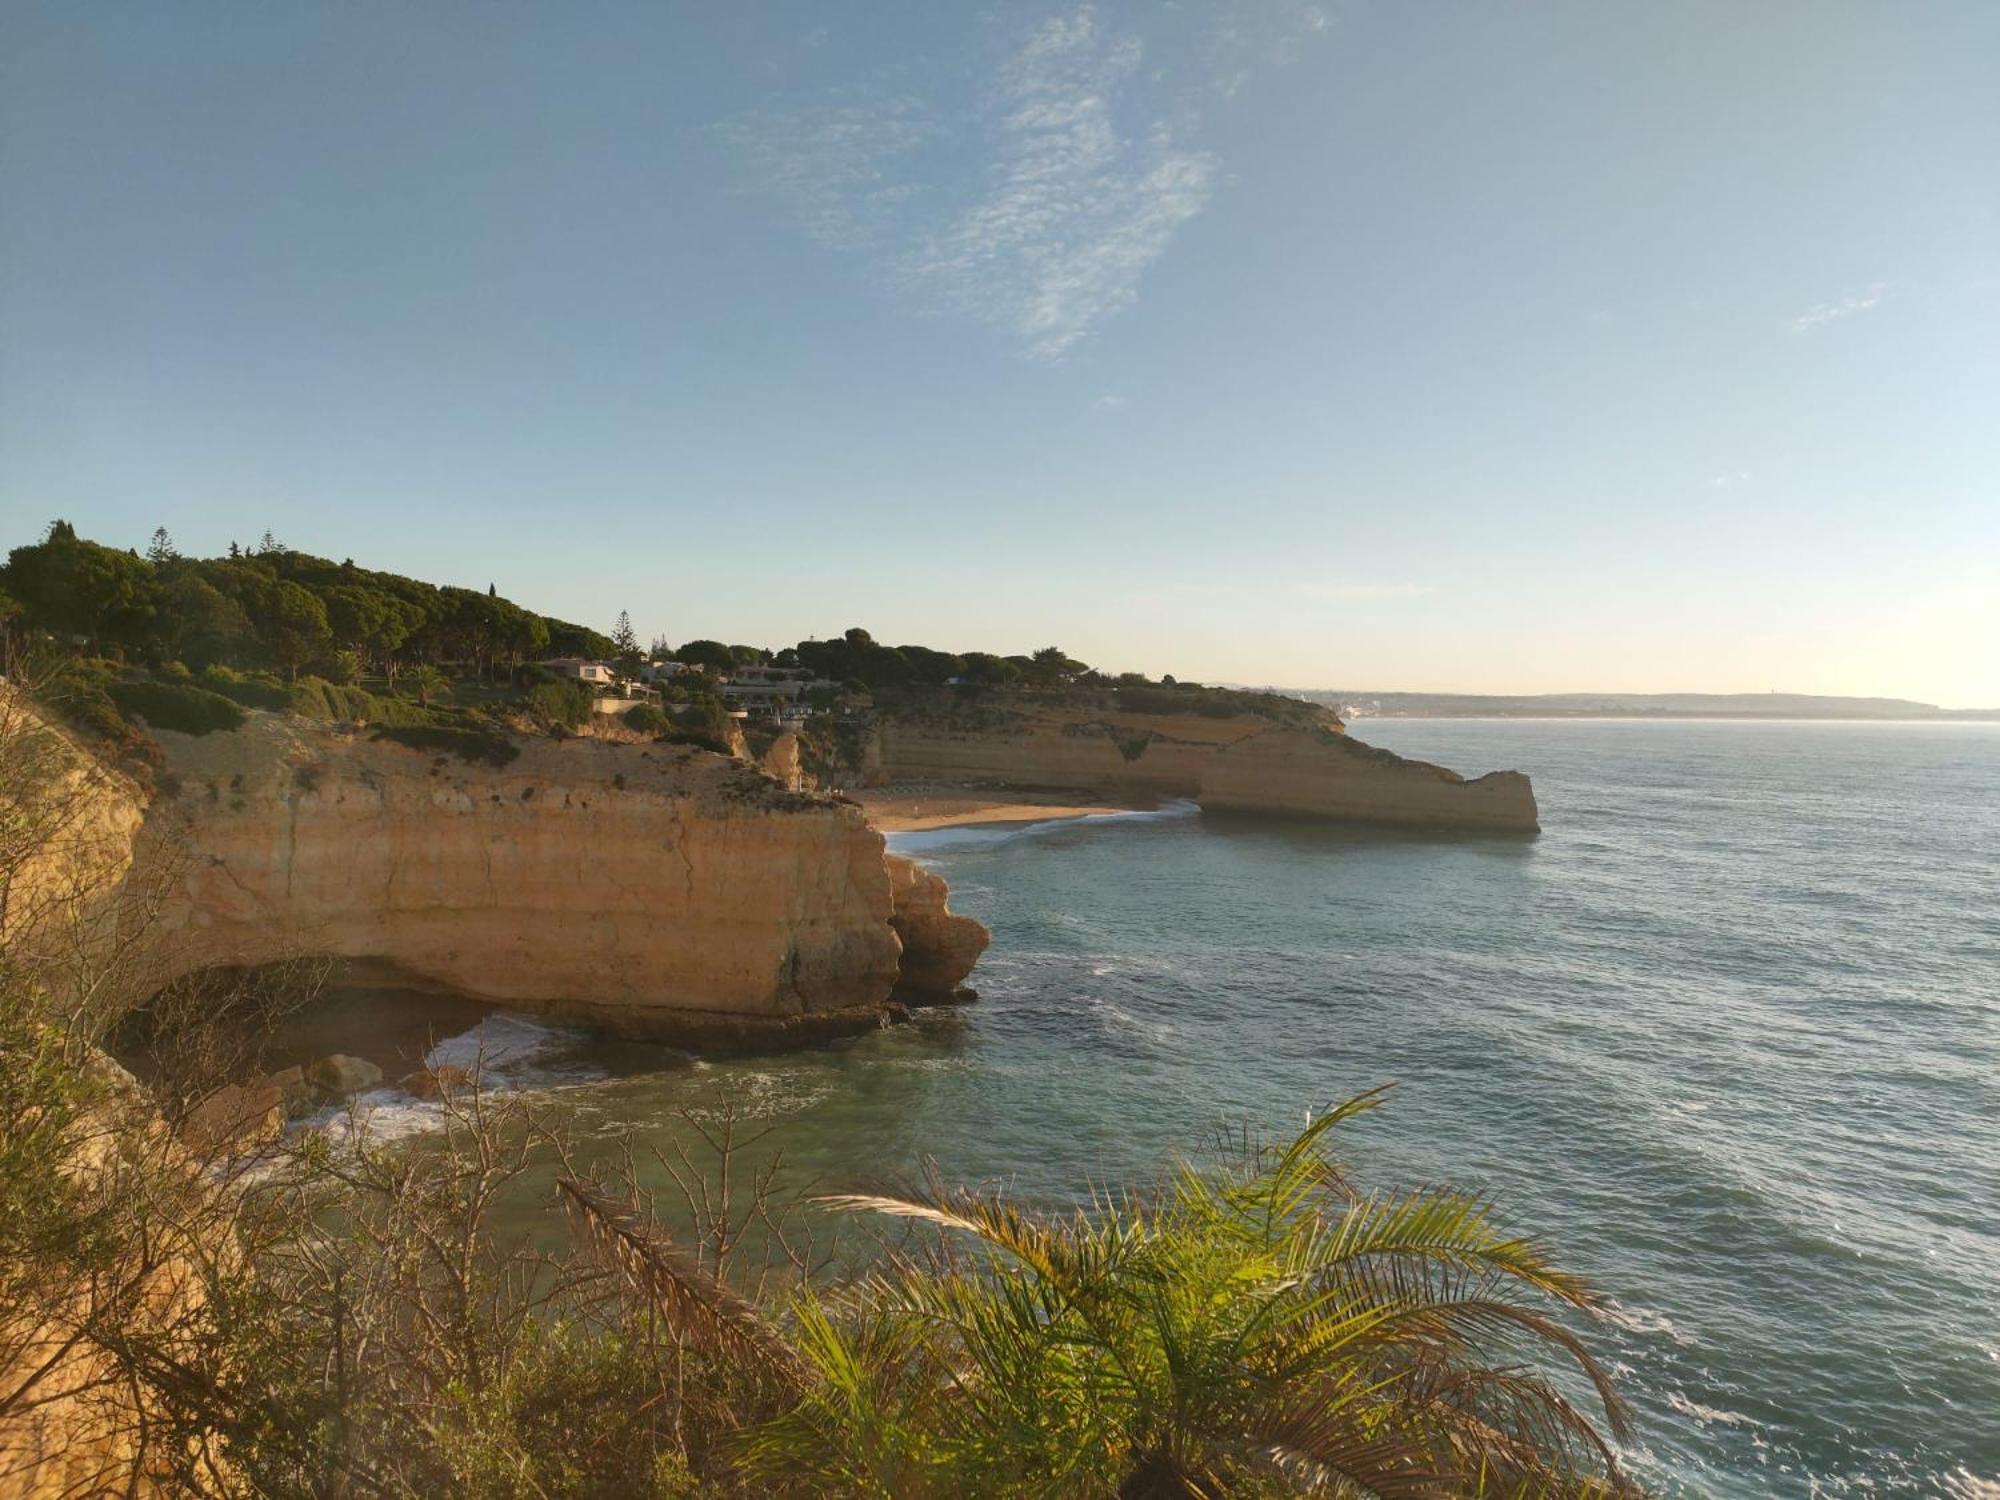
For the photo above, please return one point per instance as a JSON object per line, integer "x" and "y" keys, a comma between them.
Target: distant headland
{"x": 1351, "y": 704}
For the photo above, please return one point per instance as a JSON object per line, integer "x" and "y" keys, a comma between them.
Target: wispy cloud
{"x": 838, "y": 169}
{"x": 1110, "y": 401}
{"x": 1268, "y": 33}
{"x": 1072, "y": 210}
{"x": 1038, "y": 211}
{"x": 1727, "y": 481}
{"x": 1833, "y": 312}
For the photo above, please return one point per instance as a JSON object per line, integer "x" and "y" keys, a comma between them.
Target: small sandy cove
{"x": 912, "y": 809}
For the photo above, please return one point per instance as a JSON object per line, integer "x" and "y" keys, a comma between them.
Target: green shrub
{"x": 1132, "y": 746}
{"x": 646, "y": 719}
{"x": 76, "y": 695}
{"x": 251, "y": 689}
{"x": 316, "y": 698}
{"x": 408, "y": 713}
{"x": 344, "y": 667}
{"x": 474, "y": 746}
{"x": 563, "y": 705}
{"x": 699, "y": 741}
{"x": 174, "y": 672}
{"x": 165, "y": 705}
{"x": 307, "y": 698}
{"x": 76, "y": 691}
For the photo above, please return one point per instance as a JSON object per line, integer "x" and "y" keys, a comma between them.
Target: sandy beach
{"x": 910, "y": 809}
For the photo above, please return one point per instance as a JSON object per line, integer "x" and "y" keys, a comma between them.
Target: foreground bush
{"x": 1262, "y": 1329}
{"x": 1258, "y": 1331}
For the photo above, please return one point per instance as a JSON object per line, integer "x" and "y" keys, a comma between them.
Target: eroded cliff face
{"x": 67, "y": 826}
{"x": 657, "y": 891}
{"x": 784, "y": 762}
{"x": 1242, "y": 764}
{"x": 1105, "y": 751}
{"x": 939, "y": 946}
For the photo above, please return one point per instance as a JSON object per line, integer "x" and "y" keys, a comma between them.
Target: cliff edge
{"x": 1315, "y": 774}
{"x": 658, "y": 891}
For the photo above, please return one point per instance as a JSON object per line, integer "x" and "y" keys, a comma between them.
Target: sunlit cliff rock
{"x": 657, "y": 891}
{"x": 1242, "y": 763}
{"x": 939, "y": 946}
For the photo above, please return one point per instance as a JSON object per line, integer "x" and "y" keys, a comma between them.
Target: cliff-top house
{"x": 580, "y": 669}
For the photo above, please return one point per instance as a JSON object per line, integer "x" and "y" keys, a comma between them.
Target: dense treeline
{"x": 910, "y": 675}
{"x": 269, "y": 608}
{"x": 223, "y": 626}
{"x": 120, "y": 645}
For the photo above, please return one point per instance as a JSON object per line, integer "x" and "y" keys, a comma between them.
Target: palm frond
{"x": 1450, "y": 1227}
{"x": 696, "y": 1305}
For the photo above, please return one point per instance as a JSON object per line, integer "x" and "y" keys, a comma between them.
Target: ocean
{"x": 1726, "y": 1036}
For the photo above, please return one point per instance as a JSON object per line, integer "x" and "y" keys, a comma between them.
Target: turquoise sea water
{"x": 1727, "y": 1034}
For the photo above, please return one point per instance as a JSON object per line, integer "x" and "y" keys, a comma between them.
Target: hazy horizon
{"x": 1473, "y": 350}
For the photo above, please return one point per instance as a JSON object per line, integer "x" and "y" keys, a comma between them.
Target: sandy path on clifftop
{"x": 906, "y": 809}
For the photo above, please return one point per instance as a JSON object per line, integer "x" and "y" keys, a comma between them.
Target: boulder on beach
{"x": 430, "y": 1083}
{"x": 235, "y": 1120}
{"x": 298, "y": 1096}
{"x": 339, "y": 1075}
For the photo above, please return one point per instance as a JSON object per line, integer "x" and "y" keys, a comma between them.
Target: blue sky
{"x": 1445, "y": 346}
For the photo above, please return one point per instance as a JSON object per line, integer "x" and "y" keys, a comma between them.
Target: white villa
{"x": 580, "y": 669}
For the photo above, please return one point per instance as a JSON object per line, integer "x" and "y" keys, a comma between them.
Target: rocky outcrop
{"x": 67, "y": 827}
{"x": 1243, "y": 763}
{"x": 337, "y": 1075}
{"x": 784, "y": 763}
{"x": 1314, "y": 774}
{"x": 657, "y": 891}
{"x": 939, "y": 946}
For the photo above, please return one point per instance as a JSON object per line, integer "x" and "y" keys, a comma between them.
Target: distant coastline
{"x": 1353, "y": 705}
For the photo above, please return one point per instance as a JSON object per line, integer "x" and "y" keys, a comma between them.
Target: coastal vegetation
{"x": 198, "y": 1303}
{"x": 166, "y": 641}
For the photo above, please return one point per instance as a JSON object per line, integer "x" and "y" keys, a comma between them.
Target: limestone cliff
{"x": 67, "y": 824}
{"x": 1098, "y": 750}
{"x": 939, "y": 946}
{"x": 659, "y": 891}
{"x": 784, "y": 762}
{"x": 1309, "y": 773}
{"x": 1242, "y": 763}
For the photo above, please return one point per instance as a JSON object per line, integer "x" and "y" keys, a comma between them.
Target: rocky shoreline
{"x": 672, "y": 894}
